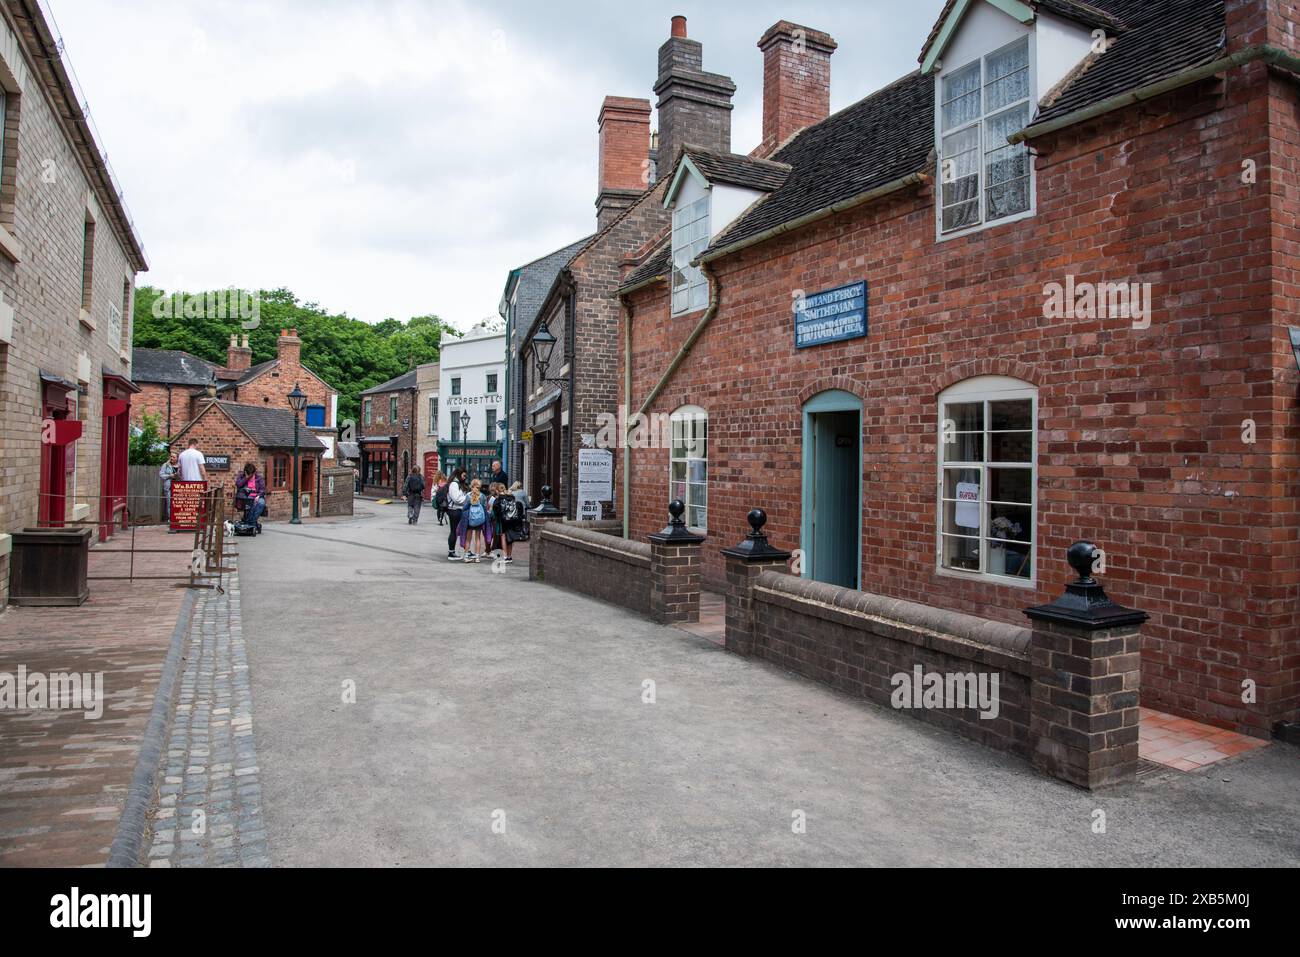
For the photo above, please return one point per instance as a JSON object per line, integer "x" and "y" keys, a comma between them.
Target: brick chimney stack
{"x": 796, "y": 82}
{"x": 694, "y": 106}
{"x": 288, "y": 347}
{"x": 238, "y": 357}
{"x": 1253, "y": 22}
{"x": 624, "y": 155}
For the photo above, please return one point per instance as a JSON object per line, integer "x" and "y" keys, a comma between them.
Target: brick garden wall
{"x": 597, "y": 564}
{"x": 856, "y": 642}
{"x": 336, "y": 491}
{"x": 1140, "y": 430}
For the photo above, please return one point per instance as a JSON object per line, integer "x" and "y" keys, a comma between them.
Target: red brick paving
{"x": 1185, "y": 744}
{"x": 64, "y": 778}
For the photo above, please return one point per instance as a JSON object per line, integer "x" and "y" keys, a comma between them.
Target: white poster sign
{"x": 595, "y": 475}
{"x": 967, "y": 511}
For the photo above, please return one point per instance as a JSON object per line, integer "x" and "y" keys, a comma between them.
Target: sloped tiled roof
{"x": 252, "y": 372}
{"x": 890, "y": 133}
{"x": 873, "y": 142}
{"x": 170, "y": 367}
{"x": 656, "y": 265}
{"x": 1161, "y": 38}
{"x": 737, "y": 170}
{"x": 270, "y": 428}
{"x": 406, "y": 380}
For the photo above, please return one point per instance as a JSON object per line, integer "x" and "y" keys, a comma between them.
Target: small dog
{"x": 230, "y": 528}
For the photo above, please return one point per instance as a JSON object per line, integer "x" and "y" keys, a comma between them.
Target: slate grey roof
{"x": 406, "y": 380}
{"x": 737, "y": 170}
{"x": 269, "y": 428}
{"x": 535, "y": 280}
{"x": 1160, "y": 39}
{"x": 170, "y": 367}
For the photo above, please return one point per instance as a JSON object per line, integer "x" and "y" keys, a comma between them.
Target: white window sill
{"x": 86, "y": 319}
{"x": 985, "y": 578}
{"x": 80, "y": 512}
{"x": 6, "y": 544}
{"x": 10, "y": 246}
{"x": 981, "y": 227}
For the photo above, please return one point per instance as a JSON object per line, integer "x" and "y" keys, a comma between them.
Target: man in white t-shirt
{"x": 192, "y": 464}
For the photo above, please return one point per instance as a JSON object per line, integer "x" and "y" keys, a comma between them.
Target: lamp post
{"x": 543, "y": 346}
{"x": 297, "y": 401}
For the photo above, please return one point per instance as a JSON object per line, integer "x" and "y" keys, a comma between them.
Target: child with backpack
{"x": 440, "y": 498}
{"x": 476, "y": 520}
{"x": 509, "y": 513}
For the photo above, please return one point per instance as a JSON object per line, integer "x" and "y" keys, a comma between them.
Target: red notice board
{"x": 187, "y": 505}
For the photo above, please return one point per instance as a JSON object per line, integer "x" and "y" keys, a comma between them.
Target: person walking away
{"x": 440, "y": 498}
{"x": 414, "y": 492}
{"x": 167, "y": 471}
{"x": 476, "y": 520}
{"x": 250, "y": 494}
{"x": 455, "y": 508}
{"x": 499, "y": 476}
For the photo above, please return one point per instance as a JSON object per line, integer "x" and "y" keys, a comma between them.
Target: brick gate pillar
{"x": 745, "y": 562}
{"x": 675, "y": 570}
{"x": 538, "y": 519}
{"x": 1085, "y": 661}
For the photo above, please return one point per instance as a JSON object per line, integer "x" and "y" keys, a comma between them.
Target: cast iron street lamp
{"x": 543, "y": 346}
{"x": 297, "y": 401}
{"x": 464, "y": 426}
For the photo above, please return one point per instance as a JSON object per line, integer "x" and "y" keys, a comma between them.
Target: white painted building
{"x": 471, "y": 384}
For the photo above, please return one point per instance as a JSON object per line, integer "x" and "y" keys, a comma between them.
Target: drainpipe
{"x": 627, "y": 397}
{"x": 714, "y": 294}
{"x": 571, "y": 312}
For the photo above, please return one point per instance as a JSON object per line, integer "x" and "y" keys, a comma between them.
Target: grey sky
{"x": 398, "y": 157}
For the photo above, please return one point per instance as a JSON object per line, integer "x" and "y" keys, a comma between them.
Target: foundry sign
{"x": 830, "y": 316}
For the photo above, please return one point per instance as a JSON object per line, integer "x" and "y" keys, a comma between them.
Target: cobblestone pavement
{"x": 63, "y": 777}
{"x": 209, "y": 811}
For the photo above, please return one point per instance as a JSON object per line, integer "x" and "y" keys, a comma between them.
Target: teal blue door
{"x": 832, "y": 511}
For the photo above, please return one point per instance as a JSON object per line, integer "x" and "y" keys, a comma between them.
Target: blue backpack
{"x": 476, "y": 514}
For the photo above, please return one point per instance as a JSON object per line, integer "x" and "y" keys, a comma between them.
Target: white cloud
{"x": 398, "y": 157}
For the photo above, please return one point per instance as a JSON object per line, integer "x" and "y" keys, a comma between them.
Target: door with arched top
{"x": 831, "y": 527}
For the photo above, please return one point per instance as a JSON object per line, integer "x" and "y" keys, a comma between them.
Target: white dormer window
{"x": 690, "y": 239}
{"x": 984, "y": 179}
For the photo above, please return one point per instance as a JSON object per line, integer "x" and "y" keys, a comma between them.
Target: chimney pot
{"x": 679, "y": 26}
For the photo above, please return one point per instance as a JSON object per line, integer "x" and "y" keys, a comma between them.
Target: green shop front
{"x": 476, "y": 458}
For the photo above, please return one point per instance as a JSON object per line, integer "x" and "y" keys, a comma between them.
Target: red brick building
{"x": 174, "y": 385}
{"x": 945, "y": 342}
{"x": 389, "y": 434}
{"x": 567, "y": 400}
{"x": 240, "y": 433}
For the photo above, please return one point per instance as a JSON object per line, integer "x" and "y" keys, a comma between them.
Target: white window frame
{"x": 689, "y": 413}
{"x": 433, "y": 415}
{"x": 987, "y": 389}
{"x": 695, "y": 215}
{"x": 983, "y": 149}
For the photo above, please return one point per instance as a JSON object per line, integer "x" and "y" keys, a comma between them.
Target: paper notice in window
{"x": 967, "y": 511}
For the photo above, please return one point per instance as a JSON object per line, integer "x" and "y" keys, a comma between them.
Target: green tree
{"x": 146, "y": 446}
{"x": 349, "y": 354}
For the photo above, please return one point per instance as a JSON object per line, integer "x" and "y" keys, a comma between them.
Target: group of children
{"x": 482, "y": 519}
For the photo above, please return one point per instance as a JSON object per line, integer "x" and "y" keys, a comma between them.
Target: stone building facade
{"x": 69, "y": 255}
{"x": 1111, "y": 364}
